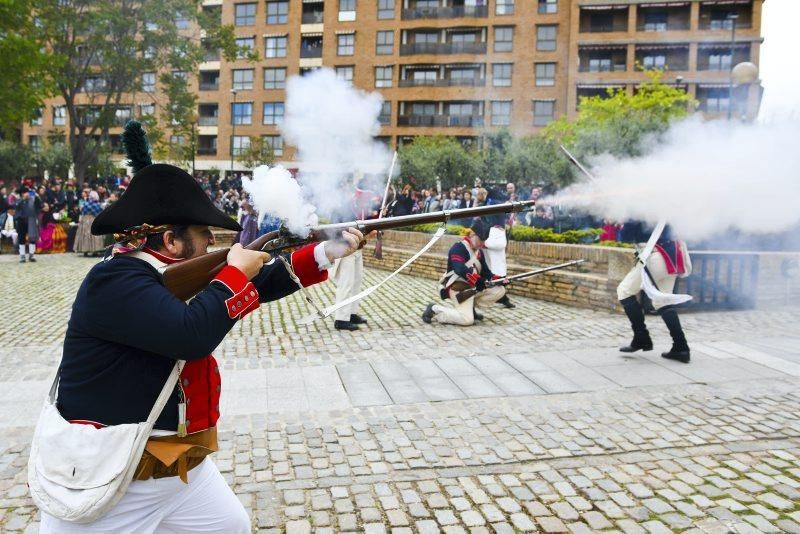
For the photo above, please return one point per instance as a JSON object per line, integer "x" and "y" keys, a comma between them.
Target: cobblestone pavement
{"x": 548, "y": 428}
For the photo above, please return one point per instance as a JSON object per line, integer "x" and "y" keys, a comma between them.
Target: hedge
{"x": 521, "y": 233}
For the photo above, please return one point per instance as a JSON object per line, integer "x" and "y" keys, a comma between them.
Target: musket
{"x": 187, "y": 278}
{"x": 461, "y": 296}
{"x": 378, "y": 252}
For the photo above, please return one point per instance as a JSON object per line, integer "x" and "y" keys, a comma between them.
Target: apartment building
{"x": 454, "y": 67}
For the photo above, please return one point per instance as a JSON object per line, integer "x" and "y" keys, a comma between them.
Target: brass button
{"x": 252, "y": 293}
{"x": 246, "y": 298}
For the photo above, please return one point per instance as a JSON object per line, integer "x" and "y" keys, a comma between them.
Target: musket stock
{"x": 187, "y": 278}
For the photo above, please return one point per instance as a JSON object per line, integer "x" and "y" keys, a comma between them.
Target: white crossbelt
{"x": 330, "y": 310}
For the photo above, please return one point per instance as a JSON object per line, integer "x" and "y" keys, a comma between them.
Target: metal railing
{"x": 207, "y": 151}
{"x": 311, "y": 52}
{"x": 444, "y": 12}
{"x": 209, "y": 86}
{"x": 440, "y": 120}
{"x": 604, "y": 28}
{"x": 444, "y": 82}
{"x": 721, "y": 281}
{"x": 313, "y": 18}
{"x": 207, "y": 121}
{"x": 442, "y": 48}
{"x": 657, "y": 27}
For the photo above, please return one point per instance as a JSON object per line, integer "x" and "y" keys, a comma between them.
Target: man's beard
{"x": 188, "y": 249}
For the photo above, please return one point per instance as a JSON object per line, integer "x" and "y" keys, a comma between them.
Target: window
{"x": 425, "y": 77}
{"x": 34, "y": 142}
{"x": 277, "y": 12}
{"x": 719, "y": 61}
{"x": 385, "y": 9}
{"x": 655, "y": 21}
{"x": 240, "y": 143}
{"x": 460, "y": 109}
{"x": 546, "y": 37}
{"x": 181, "y": 21}
{"x": 149, "y": 52}
{"x": 177, "y": 140}
{"x": 242, "y": 113}
{"x": 383, "y": 76}
{"x": 245, "y": 14}
{"x": 275, "y": 78}
{"x": 37, "y": 119}
{"x": 386, "y": 113}
{"x": 147, "y": 109}
{"x": 149, "y": 82}
{"x": 345, "y": 73}
{"x": 462, "y": 74}
{"x": 545, "y": 74}
{"x": 275, "y": 142}
{"x": 654, "y": 61}
{"x": 503, "y": 39}
{"x": 548, "y": 6}
{"x": 245, "y": 46}
{"x": 93, "y": 84}
{"x": 715, "y": 101}
{"x": 501, "y": 74}
{"x": 384, "y": 42}
{"x": 501, "y": 113}
{"x": 347, "y": 10}
{"x": 122, "y": 115}
{"x": 600, "y": 64}
{"x": 59, "y": 115}
{"x": 273, "y": 113}
{"x": 423, "y": 108}
{"x": 346, "y": 44}
{"x": 275, "y": 47}
{"x": 242, "y": 79}
{"x": 543, "y": 112}
{"x": 504, "y": 7}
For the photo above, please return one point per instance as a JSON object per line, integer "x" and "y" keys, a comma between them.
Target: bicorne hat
{"x": 481, "y": 228}
{"x": 158, "y": 194}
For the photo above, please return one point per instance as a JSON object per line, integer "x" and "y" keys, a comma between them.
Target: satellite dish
{"x": 744, "y": 73}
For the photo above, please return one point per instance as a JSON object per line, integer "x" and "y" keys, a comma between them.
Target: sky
{"x": 780, "y": 68}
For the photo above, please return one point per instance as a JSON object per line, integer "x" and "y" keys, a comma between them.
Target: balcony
{"x": 444, "y": 12}
{"x": 602, "y": 59}
{"x": 209, "y": 86}
{"x": 602, "y": 20}
{"x": 311, "y": 46}
{"x": 207, "y": 121}
{"x": 444, "y": 82}
{"x": 715, "y": 16}
{"x": 442, "y": 48}
{"x": 440, "y": 120}
{"x": 662, "y": 19}
{"x": 314, "y": 17}
{"x": 668, "y": 57}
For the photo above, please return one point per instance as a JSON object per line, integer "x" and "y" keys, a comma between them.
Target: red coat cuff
{"x": 244, "y": 297}
{"x": 305, "y": 266}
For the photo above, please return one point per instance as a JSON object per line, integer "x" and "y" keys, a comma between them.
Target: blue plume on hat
{"x": 136, "y": 146}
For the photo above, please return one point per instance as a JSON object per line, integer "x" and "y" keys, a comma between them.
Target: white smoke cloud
{"x": 703, "y": 178}
{"x": 333, "y": 125}
{"x": 275, "y": 192}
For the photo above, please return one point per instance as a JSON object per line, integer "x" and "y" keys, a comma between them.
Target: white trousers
{"x": 632, "y": 283}
{"x": 347, "y": 275}
{"x": 167, "y": 505}
{"x": 10, "y": 233}
{"x": 462, "y": 314}
{"x": 496, "y": 251}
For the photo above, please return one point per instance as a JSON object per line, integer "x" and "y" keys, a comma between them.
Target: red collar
{"x": 160, "y": 257}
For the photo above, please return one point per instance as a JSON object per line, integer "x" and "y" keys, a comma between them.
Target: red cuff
{"x": 305, "y": 266}
{"x": 244, "y": 297}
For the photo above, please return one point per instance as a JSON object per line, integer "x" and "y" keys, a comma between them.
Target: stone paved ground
{"x": 529, "y": 421}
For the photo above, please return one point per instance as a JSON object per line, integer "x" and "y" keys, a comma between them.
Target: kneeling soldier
{"x": 466, "y": 268}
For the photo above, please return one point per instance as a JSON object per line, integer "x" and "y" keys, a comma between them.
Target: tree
{"x": 55, "y": 158}
{"x": 102, "y": 49}
{"x": 24, "y": 83}
{"x": 621, "y": 123}
{"x": 15, "y": 160}
{"x": 444, "y": 157}
{"x": 259, "y": 152}
{"x": 535, "y": 159}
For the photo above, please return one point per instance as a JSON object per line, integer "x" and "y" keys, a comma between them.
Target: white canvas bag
{"x": 77, "y": 472}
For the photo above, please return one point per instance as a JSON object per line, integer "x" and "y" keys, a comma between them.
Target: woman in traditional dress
{"x": 85, "y": 242}
{"x": 47, "y": 225}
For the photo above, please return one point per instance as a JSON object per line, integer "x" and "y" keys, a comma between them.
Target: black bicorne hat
{"x": 158, "y": 194}
{"x": 481, "y": 228}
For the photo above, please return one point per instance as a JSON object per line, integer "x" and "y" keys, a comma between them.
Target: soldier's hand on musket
{"x": 351, "y": 241}
{"x": 248, "y": 261}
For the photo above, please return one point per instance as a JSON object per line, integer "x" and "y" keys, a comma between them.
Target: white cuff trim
{"x": 321, "y": 257}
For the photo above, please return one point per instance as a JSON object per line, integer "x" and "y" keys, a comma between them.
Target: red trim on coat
{"x": 87, "y": 422}
{"x": 160, "y": 257}
{"x": 244, "y": 298}
{"x": 202, "y": 385}
{"x": 680, "y": 268}
{"x": 456, "y": 257}
{"x": 305, "y": 266}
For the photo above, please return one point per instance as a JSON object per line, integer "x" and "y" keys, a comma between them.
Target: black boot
{"x": 506, "y": 302}
{"x": 680, "y": 349}
{"x": 427, "y": 315}
{"x": 641, "y": 337}
{"x": 357, "y": 319}
{"x": 344, "y": 325}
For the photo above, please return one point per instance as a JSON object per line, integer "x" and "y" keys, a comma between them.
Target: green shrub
{"x": 520, "y": 233}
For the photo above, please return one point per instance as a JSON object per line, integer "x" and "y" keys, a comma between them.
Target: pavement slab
{"x": 531, "y": 420}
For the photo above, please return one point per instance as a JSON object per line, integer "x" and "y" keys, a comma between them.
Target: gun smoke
{"x": 704, "y": 178}
{"x": 275, "y": 192}
{"x": 332, "y": 124}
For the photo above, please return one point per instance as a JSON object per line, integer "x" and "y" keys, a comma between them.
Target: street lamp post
{"x": 233, "y": 128}
{"x": 731, "y": 17}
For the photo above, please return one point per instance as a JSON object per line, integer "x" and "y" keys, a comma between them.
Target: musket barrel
{"x": 424, "y": 218}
